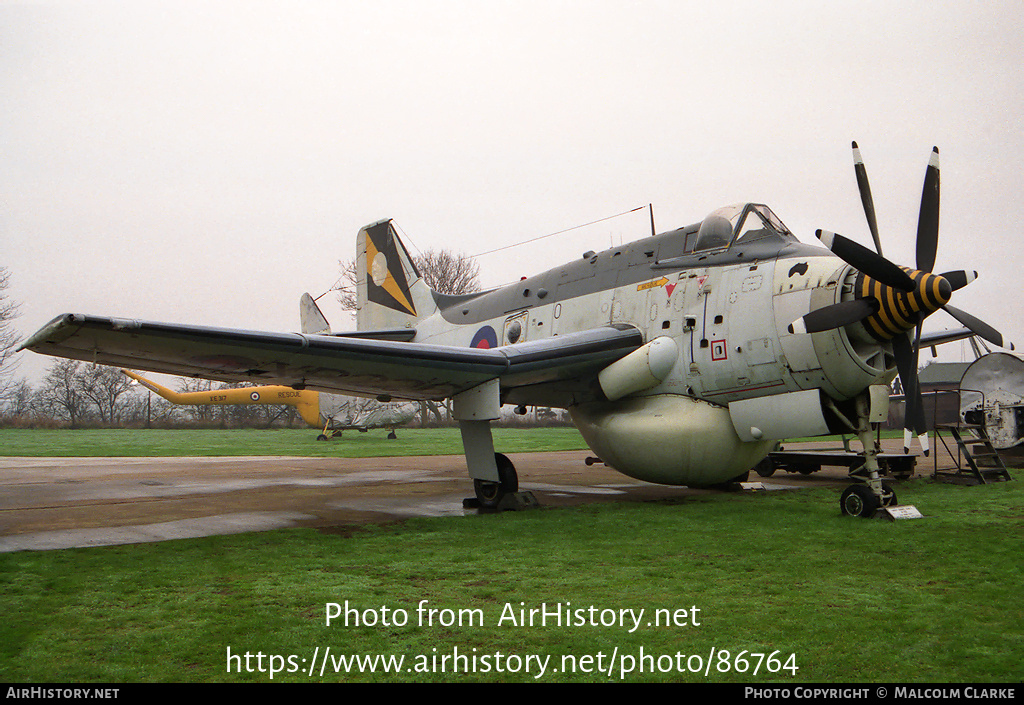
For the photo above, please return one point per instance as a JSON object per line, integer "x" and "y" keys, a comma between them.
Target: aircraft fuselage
{"x": 724, "y": 300}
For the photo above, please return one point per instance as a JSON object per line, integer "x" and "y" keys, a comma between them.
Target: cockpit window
{"x": 716, "y": 231}
{"x": 740, "y": 224}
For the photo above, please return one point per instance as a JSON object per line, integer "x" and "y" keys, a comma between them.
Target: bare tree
{"x": 103, "y": 386}
{"x": 19, "y": 398}
{"x": 9, "y": 310}
{"x": 60, "y": 394}
{"x": 449, "y": 273}
{"x": 347, "y": 285}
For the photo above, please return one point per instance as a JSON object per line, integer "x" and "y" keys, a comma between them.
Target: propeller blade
{"x": 913, "y": 415}
{"x": 920, "y": 422}
{"x": 865, "y": 196}
{"x": 979, "y": 327}
{"x": 866, "y": 261}
{"x": 959, "y": 279}
{"x": 835, "y": 316}
{"x": 928, "y": 220}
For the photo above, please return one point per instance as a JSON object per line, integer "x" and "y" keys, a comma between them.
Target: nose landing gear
{"x": 861, "y": 501}
{"x": 868, "y": 494}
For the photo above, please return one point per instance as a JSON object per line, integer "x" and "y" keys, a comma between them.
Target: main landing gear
{"x": 489, "y": 494}
{"x": 495, "y": 482}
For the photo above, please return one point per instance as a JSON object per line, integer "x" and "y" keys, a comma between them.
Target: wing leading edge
{"x": 352, "y": 365}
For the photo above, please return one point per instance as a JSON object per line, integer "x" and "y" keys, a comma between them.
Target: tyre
{"x": 490, "y": 493}
{"x": 858, "y": 501}
{"x": 766, "y": 468}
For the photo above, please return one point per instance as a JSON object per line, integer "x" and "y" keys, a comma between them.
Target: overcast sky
{"x": 209, "y": 162}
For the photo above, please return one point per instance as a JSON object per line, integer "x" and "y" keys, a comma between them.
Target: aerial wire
{"x": 406, "y": 238}
{"x": 551, "y": 235}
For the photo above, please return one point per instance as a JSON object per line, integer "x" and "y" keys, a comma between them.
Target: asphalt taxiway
{"x": 54, "y": 503}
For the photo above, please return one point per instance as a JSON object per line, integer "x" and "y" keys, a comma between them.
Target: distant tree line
{"x": 79, "y": 394}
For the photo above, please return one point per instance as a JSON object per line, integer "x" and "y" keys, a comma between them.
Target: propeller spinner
{"x": 891, "y": 301}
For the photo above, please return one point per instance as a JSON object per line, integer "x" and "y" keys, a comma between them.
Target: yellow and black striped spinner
{"x": 899, "y": 311}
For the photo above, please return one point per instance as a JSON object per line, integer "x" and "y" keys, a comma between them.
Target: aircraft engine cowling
{"x": 644, "y": 368}
{"x": 669, "y": 439}
{"x": 842, "y": 360}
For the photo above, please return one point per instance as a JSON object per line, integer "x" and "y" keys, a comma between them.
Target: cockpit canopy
{"x": 741, "y": 224}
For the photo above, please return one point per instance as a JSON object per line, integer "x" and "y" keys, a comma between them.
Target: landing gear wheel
{"x": 858, "y": 501}
{"x": 490, "y": 493}
{"x": 392, "y": 436}
{"x": 321, "y": 437}
{"x": 766, "y": 468}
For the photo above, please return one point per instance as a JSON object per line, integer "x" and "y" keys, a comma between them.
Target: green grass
{"x": 929, "y": 600}
{"x": 120, "y": 442}
{"x": 275, "y": 442}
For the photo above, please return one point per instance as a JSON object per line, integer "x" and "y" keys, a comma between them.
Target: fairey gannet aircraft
{"x": 681, "y": 357}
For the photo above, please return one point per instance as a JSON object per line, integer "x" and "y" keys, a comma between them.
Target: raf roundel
{"x": 485, "y": 338}
{"x": 255, "y": 396}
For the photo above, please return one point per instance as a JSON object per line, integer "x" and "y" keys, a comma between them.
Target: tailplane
{"x": 390, "y": 292}
{"x": 311, "y": 319}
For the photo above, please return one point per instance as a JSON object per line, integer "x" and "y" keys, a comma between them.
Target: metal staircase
{"x": 982, "y": 467}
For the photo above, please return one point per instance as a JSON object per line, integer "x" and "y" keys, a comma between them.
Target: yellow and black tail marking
{"x": 386, "y": 283}
{"x": 900, "y": 311}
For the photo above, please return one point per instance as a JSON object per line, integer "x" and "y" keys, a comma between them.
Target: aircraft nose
{"x": 900, "y": 311}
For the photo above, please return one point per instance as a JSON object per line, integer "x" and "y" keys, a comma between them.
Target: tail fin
{"x": 311, "y": 319}
{"x": 391, "y": 292}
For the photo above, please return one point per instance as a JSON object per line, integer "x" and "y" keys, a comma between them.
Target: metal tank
{"x": 992, "y": 394}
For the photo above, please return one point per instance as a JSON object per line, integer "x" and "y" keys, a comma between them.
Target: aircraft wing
{"x": 930, "y": 340}
{"x": 353, "y": 365}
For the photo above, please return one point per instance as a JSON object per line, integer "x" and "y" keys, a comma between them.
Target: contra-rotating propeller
{"x": 892, "y": 301}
